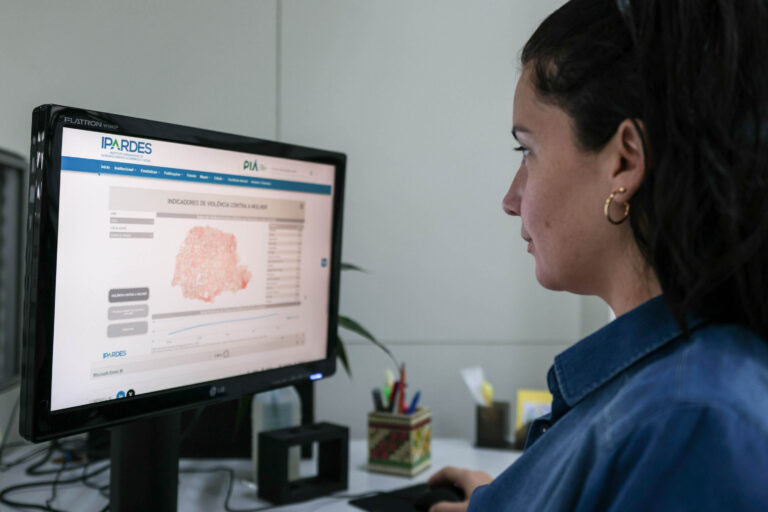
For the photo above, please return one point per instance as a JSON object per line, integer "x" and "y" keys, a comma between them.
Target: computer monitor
{"x": 171, "y": 267}
{"x": 12, "y": 191}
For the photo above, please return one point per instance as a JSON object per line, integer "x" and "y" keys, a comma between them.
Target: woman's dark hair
{"x": 695, "y": 74}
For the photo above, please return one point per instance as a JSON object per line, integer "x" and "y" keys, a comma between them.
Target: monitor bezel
{"x": 37, "y": 421}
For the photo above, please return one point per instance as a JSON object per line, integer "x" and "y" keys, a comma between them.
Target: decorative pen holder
{"x": 400, "y": 444}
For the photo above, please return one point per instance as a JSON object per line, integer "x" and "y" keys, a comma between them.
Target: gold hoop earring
{"x": 608, "y": 206}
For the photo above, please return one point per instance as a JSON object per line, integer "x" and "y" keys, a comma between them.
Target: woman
{"x": 644, "y": 131}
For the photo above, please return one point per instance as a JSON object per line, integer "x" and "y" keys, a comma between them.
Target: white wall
{"x": 193, "y": 62}
{"x": 418, "y": 94}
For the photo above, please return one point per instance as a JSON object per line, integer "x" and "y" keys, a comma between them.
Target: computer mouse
{"x": 437, "y": 493}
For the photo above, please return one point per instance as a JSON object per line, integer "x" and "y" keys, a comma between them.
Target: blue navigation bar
{"x": 69, "y": 163}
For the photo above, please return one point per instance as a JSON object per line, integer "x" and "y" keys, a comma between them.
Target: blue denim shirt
{"x": 646, "y": 419}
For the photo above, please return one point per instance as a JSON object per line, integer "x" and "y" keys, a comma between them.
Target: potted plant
{"x": 353, "y": 326}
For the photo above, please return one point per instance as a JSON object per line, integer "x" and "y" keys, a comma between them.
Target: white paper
{"x": 474, "y": 378}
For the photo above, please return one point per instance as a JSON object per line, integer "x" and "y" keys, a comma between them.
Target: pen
{"x": 414, "y": 402}
{"x": 401, "y": 404}
{"x": 393, "y": 397}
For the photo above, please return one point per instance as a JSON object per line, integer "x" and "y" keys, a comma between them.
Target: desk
{"x": 206, "y": 491}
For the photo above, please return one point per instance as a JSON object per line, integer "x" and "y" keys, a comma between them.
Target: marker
{"x": 389, "y": 378}
{"x": 414, "y": 402}
{"x": 377, "y": 402}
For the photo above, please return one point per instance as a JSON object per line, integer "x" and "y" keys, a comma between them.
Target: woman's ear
{"x": 629, "y": 157}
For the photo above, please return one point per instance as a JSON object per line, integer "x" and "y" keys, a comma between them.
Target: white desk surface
{"x": 206, "y": 491}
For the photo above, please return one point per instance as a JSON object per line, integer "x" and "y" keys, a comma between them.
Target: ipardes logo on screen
{"x": 115, "y": 353}
{"x": 126, "y": 145}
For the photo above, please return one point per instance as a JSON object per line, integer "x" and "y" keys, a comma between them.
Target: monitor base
{"x": 144, "y": 473}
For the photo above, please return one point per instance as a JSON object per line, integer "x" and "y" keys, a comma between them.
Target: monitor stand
{"x": 144, "y": 473}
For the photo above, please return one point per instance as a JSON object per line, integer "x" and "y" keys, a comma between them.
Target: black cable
{"x": 54, "y": 446}
{"x": 50, "y": 500}
{"x": 24, "y": 458}
{"x": 8, "y": 490}
{"x": 103, "y": 489}
{"x": 61, "y": 469}
{"x": 33, "y": 467}
{"x": 230, "y": 486}
{"x": 53, "y": 471}
{"x": 4, "y": 442}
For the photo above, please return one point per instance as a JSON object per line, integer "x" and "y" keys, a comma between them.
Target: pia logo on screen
{"x": 252, "y": 165}
{"x": 125, "y": 145}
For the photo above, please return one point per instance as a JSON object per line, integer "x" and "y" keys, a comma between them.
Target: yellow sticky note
{"x": 531, "y": 404}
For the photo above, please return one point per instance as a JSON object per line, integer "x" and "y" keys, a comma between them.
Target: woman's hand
{"x": 464, "y": 479}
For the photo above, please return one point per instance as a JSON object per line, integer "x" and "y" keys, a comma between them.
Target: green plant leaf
{"x": 342, "y": 353}
{"x": 350, "y": 266}
{"x": 351, "y": 325}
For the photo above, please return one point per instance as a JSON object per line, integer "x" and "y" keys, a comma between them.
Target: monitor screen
{"x": 188, "y": 266}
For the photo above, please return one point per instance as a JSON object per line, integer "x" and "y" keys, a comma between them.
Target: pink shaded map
{"x": 207, "y": 265}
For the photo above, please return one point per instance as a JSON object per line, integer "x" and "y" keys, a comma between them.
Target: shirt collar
{"x": 593, "y": 361}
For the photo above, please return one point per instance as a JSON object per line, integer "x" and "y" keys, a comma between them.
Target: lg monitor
{"x": 168, "y": 268}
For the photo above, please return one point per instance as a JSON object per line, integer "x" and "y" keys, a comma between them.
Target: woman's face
{"x": 558, "y": 192}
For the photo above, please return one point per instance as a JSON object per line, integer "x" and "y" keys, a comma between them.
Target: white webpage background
{"x": 89, "y": 264}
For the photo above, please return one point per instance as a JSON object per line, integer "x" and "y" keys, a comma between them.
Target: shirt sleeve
{"x": 684, "y": 457}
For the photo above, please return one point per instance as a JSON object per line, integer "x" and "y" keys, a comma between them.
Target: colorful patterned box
{"x": 400, "y": 444}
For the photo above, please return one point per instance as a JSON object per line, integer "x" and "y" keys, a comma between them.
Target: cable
{"x": 31, "y": 468}
{"x": 50, "y": 449}
{"x": 4, "y": 442}
{"x": 61, "y": 469}
{"x": 23, "y": 459}
{"x": 103, "y": 489}
{"x": 8, "y": 490}
{"x": 50, "y": 500}
{"x": 231, "y": 474}
{"x": 54, "y": 446}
